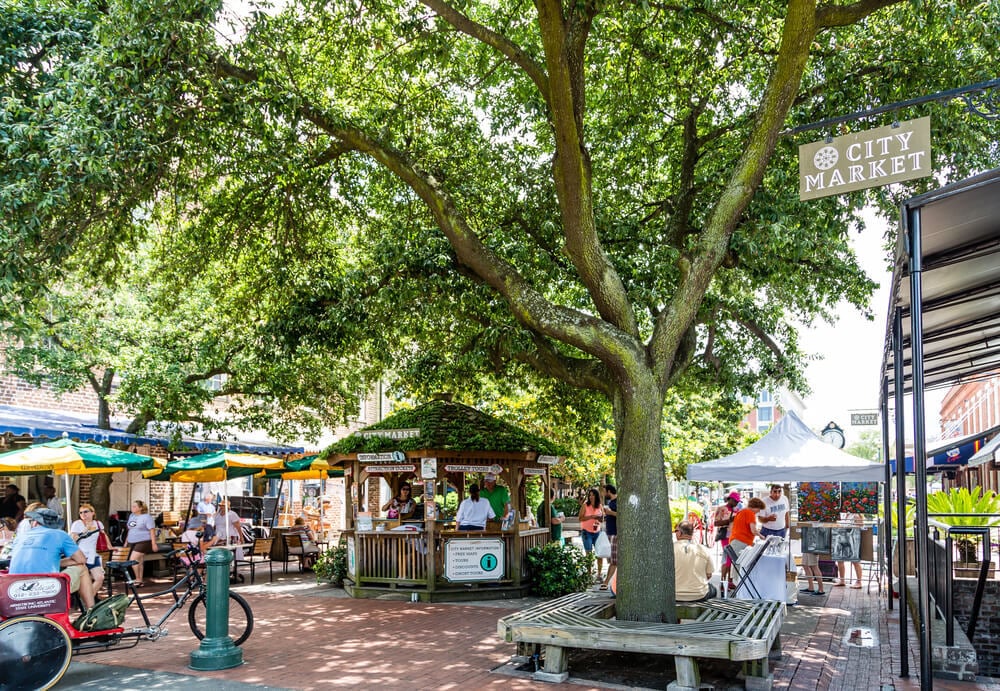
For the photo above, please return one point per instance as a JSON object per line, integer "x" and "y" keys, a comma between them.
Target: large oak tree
{"x": 596, "y": 192}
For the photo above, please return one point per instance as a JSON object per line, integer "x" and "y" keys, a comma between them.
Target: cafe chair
{"x": 259, "y": 553}
{"x": 299, "y": 548}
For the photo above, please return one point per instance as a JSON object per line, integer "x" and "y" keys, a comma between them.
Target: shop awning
{"x": 42, "y": 424}
{"x": 953, "y": 453}
{"x": 989, "y": 452}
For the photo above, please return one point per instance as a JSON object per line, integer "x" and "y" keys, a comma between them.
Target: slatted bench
{"x": 738, "y": 630}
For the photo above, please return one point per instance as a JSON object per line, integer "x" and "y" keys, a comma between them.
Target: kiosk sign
{"x": 473, "y": 560}
{"x": 865, "y": 159}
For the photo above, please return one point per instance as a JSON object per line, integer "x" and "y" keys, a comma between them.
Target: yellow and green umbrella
{"x": 214, "y": 467}
{"x": 68, "y": 457}
{"x": 305, "y": 468}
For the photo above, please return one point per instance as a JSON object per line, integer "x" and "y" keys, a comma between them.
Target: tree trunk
{"x": 100, "y": 495}
{"x": 645, "y": 547}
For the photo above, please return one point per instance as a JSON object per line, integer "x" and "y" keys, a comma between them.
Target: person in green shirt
{"x": 496, "y": 495}
{"x": 556, "y": 518}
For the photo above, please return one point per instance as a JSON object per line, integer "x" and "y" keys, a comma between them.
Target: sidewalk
{"x": 314, "y": 637}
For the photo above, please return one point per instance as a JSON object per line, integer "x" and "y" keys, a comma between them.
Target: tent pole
{"x": 69, "y": 503}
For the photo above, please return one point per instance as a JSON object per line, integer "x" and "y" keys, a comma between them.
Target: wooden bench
{"x": 738, "y": 630}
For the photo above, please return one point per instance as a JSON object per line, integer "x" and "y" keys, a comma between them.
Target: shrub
{"x": 557, "y": 570}
{"x": 331, "y": 566}
{"x": 568, "y": 505}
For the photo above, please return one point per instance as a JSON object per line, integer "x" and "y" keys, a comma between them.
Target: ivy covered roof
{"x": 449, "y": 426}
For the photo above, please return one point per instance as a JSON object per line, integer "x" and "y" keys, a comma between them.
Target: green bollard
{"x": 217, "y": 650}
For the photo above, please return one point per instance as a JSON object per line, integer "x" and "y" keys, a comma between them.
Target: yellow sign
{"x": 865, "y": 159}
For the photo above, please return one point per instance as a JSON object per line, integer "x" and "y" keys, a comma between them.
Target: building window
{"x": 215, "y": 382}
{"x": 765, "y": 414}
{"x": 765, "y": 397}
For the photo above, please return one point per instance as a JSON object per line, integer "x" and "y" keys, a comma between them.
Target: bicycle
{"x": 38, "y": 639}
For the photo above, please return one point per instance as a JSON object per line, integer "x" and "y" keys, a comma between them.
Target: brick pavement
{"x": 309, "y": 637}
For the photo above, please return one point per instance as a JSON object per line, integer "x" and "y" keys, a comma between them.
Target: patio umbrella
{"x": 305, "y": 468}
{"x": 67, "y": 457}
{"x": 214, "y": 467}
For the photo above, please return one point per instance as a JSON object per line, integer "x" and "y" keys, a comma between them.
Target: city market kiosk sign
{"x": 866, "y": 159}
{"x": 473, "y": 560}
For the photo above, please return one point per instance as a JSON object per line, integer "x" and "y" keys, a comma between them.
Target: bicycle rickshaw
{"x": 38, "y": 638}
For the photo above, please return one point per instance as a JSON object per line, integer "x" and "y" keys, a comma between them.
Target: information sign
{"x": 547, "y": 460}
{"x": 350, "y": 556}
{"x": 428, "y": 468}
{"x": 495, "y": 469}
{"x": 473, "y": 560}
{"x": 391, "y": 468}
{"x": 535, "y": 471}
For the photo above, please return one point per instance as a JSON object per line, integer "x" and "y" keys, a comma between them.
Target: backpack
{"x": 106, "y": 614}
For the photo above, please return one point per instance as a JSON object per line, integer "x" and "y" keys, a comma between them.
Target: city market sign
{"x": 865, "y": 159}
{"x": 389, "y": 433}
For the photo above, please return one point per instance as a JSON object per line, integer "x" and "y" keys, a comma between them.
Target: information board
{"x": 473, "y": 560}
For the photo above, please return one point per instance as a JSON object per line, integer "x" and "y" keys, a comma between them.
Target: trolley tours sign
{"x": 473, "y": 560}
{"x": 865, "y": 159}
{"x": 455, "y": 468}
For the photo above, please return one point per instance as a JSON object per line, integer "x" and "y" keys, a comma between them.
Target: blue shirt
{"x": 611, "y": 522}
{"x": 41, "y": 550}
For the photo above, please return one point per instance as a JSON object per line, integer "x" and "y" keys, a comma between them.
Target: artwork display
{"x": 859, "y": 497}
{"x": 819, "y": 502}
{"x": 815, "y": 540}
{"x": 845, "y": 544}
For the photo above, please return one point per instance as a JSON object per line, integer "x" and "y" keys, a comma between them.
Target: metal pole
{"x": 919, "y": 442}
{"x": 899, "y": 385}
{"x": 885, "y": 534}
{"x": 217, "y": 650}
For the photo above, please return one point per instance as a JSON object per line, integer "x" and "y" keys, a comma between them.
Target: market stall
{"x": 423, "y": 552}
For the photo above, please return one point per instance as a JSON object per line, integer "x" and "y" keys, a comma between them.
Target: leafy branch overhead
{"x": 585, "y": 197}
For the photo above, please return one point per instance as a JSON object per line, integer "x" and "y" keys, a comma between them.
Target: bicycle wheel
{"x": 240, "y": 618}
{"x": 34, "y": 653}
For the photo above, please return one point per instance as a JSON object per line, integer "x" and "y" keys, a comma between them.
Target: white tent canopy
{"x": 789, "y": 452}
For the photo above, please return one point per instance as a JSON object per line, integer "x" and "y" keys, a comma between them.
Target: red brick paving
{"x": 311, "y": 639}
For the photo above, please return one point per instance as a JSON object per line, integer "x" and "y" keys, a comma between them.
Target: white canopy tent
{"x": 789, "y": 452}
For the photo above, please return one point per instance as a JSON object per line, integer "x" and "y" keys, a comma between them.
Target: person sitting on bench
{"x": 692, "y": 566}
{"x": 46, "y": 549}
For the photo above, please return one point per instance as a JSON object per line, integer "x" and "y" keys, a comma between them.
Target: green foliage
{"x": 331, "y": 566}
{"x": 568, "y": 505}
{"x": 961, "y": 500}
{"x": 677, "y": 513}
{"x": 559, "y": 570}
{"x": 869, "y": 447}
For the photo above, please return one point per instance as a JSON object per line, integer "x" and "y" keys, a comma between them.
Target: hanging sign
{"x": 473, "y": 560}
{"x": 495, "y": 469}
{"x": 391, "y": 468}
{"x": 865, "y": 159}
{"x": 375, "y": 457}
{"x": 547, "y": 460}
{"x": 864, "y": 419}
{"x": 535, "y": 471}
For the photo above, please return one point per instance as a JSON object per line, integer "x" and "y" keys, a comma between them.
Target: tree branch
{"x": 842, "y": 15}
{"x": 513, "y": 52}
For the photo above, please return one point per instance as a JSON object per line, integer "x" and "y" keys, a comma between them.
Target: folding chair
{"x": 741, "y": 574}
{"x": 260, "y": 552}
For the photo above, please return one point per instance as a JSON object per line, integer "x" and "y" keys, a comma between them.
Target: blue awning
{"x": 52, "y": 424}
{"x": 953, "y": 453}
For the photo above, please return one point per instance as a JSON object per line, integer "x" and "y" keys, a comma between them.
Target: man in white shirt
{"x": 774, "y": 517}
{"x": 692, "y": 567}
{"x": 52, "y": 502}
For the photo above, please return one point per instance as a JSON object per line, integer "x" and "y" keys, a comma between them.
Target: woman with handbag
{"x": 88, "y": 532}
{"x": 591, "y": 516}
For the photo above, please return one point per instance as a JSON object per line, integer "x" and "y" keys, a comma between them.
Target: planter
{"x": 911, "y": 557}
{"x": 970, "y": 569}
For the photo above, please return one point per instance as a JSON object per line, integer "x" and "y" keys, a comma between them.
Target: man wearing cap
{"x": 496, "y": 495}
{"x": 724, "y": 515}
{"x": 46, "y": 549}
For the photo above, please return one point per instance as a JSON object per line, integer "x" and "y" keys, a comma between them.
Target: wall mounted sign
{"x": 865, "y": 159}
{"x": 547, "y": 460}
{"x": 376, "y": 457}
{"x": 428, "y": 468}
{"x": 495, "y": 469}
{"x": 473, "y": 560}
{"x": 389, "y": 433}
{"x": 535, "y": 471}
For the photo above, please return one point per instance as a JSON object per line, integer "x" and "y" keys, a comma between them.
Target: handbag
{"x": 602, "y": 546}
{"x": 103, "y": 545}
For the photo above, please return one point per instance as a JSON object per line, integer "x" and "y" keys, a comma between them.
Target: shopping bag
{"x": 602, "y": 546}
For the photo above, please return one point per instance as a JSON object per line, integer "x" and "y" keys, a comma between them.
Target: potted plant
{"x": 959, "y": 500}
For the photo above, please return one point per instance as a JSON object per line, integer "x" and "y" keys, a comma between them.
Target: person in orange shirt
{"x": 745, "y": 526}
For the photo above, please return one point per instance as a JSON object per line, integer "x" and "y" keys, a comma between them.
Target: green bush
{"x": 557, "y": 570}
{"x": 331, "y": 566}
{"x": 568, "y": 505}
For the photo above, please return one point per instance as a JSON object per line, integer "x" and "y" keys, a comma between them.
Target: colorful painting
{"x": 859, "y": 497}
{"x": 819, "y": 502}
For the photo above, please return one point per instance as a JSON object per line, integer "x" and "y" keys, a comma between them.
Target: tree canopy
{"x": 596, "y": 194}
